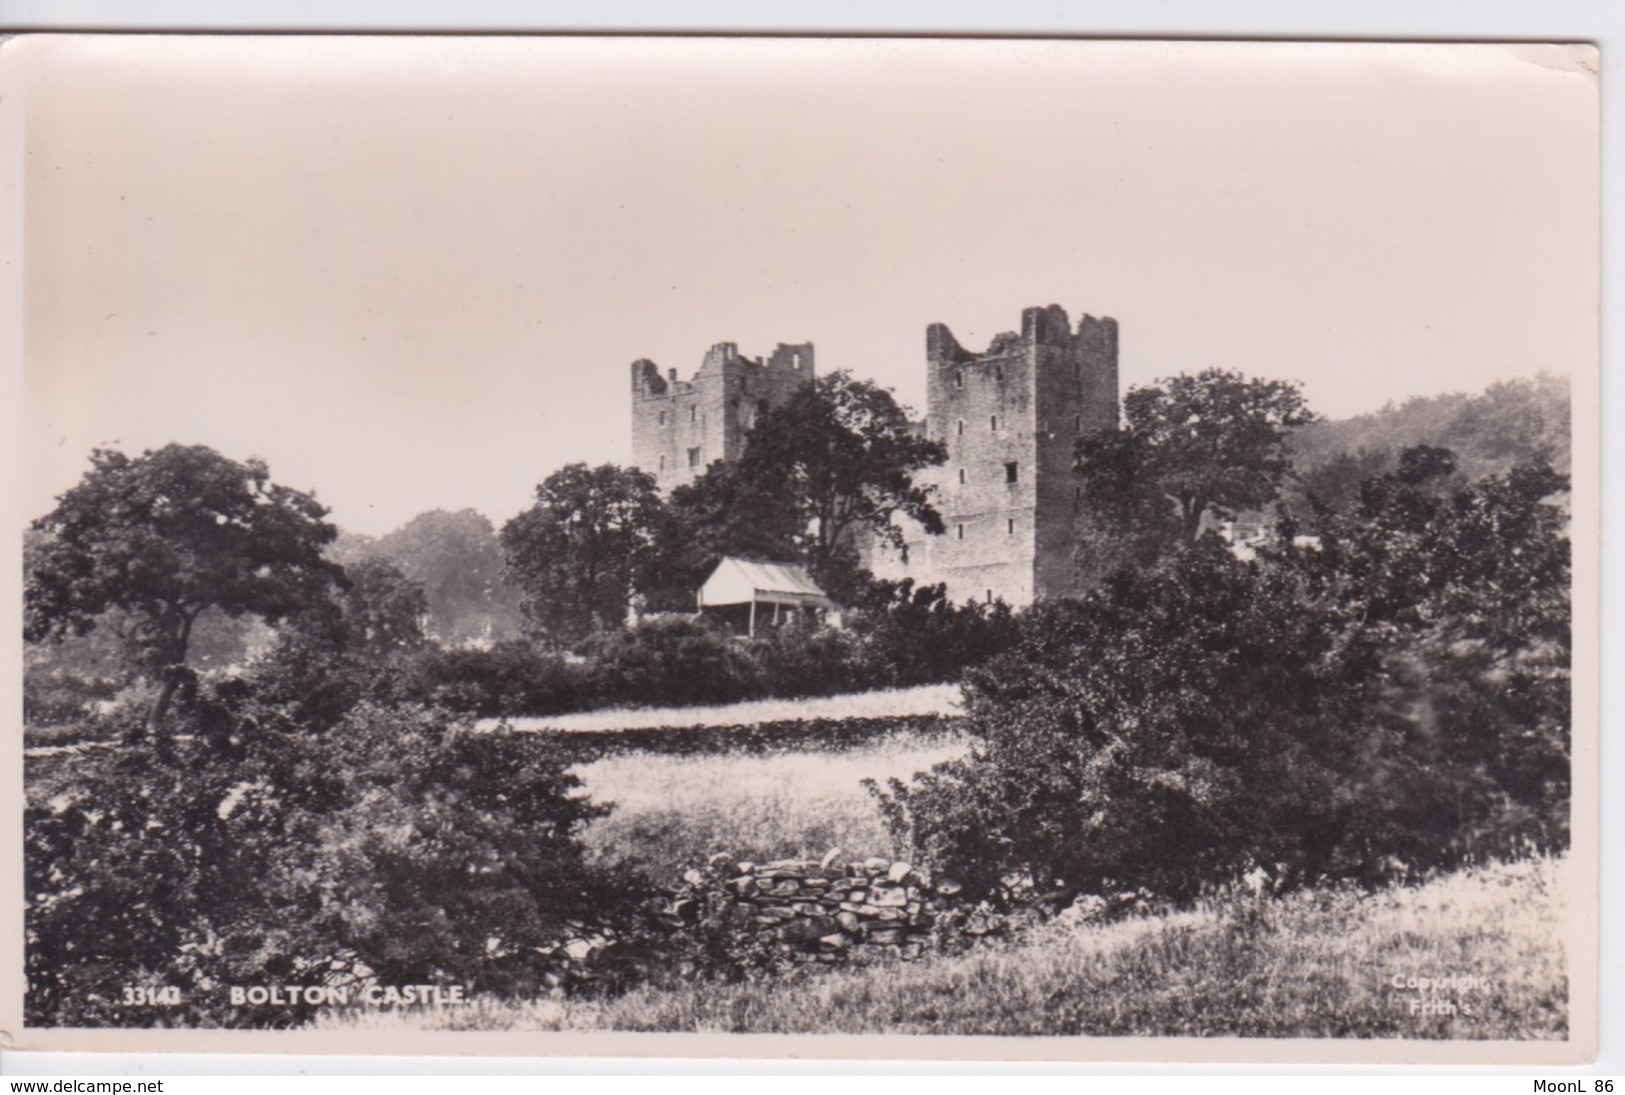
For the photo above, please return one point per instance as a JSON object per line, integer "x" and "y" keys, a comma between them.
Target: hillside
{"x": 1509, "y": 422}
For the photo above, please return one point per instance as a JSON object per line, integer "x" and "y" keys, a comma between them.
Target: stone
{"x": 807, "y": 929}
{"x": 884, "y": 935}
{"x": 831, "y": 857}
{"x": 745, "y": 885}
{"x": 947, "y": 887}
{"x": 720, "y": 862}
{"x": 888, "y": 896}
{"x": 898, "y": 871}
{"x": 693, "y": 878}
{"x": 848, "y": 921}
{"x": 578, "y": 949}
{"x": 875, "y": 865}
{"x": 745, "y": 866}
{"x": 835, "y": 941}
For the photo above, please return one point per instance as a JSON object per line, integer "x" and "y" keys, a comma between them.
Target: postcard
{"x": 1022, "y": 549}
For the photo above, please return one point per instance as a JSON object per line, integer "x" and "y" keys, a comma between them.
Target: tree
{"x": 459, "y": 561}
{"x": 579, "y": 552}
{"x": 1396, "y": 694}
{"x": 165, "y": 536}
{"x": 835, "y": 459}
{"x": 1213, "y": 443}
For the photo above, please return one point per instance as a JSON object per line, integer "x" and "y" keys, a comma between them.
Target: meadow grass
{"x": 1314, "y": 964}
{"x": 672, "y": 812}
{"x": 925, "y": 699}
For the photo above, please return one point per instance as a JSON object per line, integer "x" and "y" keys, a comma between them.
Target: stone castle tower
{"x": 1008, "y": 417}
{"x": 680, "y": 426}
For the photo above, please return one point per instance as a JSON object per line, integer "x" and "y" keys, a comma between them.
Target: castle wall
{"x": 679, "y": 428}
{"x": 1021, "y": 402}
{"x": 1008, "y": 417}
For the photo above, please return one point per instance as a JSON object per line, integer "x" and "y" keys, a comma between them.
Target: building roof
{"x": 738, "y": 581}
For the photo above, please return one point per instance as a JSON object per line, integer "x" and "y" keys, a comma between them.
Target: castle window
{"x": 959, "y": 378}
{"x": 961, "y": 429}
{"x": 693, "y": 458}
{"x": 961, "y": 532}
{"x": 795, "y": 360}
{"x": 961, "y": 476}
{"x": 662, "y": 418}
{"x": 990, "y": 596}
{"x": 993, "y": 422}
{"x": 662, "y": 463}
{"x": 1009, "y": 526}
{"x": 1077, "y": 424}
{"x": 1011, "y": 472}
{"x": 998, "y": 372}
{"x": 693, "y": 414}
{"x": 1077, "y": 495}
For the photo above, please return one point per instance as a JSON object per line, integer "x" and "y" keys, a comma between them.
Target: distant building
{"x": 1008, "y": 417}
{"x": 747, "y": 594}
{"x": 679, "y": 427}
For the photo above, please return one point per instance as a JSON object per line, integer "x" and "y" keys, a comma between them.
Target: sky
{"x": 411, "y": 273}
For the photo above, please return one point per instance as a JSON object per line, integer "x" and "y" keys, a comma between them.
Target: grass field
{"x": 1317, "y": 964}
{"x": 673, "y": 812}
{"x": 926, "y": 699}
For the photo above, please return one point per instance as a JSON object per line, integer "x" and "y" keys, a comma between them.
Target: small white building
{"x": 747, "y": 593}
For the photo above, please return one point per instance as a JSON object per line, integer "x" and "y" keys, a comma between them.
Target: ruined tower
{"x": 1008, "y": 417}
{"x": 680, "y": 426}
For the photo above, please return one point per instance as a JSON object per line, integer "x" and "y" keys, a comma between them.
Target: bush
{"x": 917, "y": 636}
{"x": 670, "y": 661}
{"x": 397, "y": 846}
{"x": 509, "y": 679}
{"x": 1392, "y": 700}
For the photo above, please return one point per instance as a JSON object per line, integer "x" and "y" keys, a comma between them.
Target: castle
{"x": 1007, "y": 416}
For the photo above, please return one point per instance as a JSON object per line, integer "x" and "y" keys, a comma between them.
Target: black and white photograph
{"x": 1009, "y": 548}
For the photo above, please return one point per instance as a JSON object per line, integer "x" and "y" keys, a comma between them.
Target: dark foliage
{"x": 396, "y": 848}
{"x": 164, "y": 537}
{"x": 578, "y": 553}
{"x": 1190, "y": 448}
{"x": 508, "y": 679}
{"x": 1395, "y": 698}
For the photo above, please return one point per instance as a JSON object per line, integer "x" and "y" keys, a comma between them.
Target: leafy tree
{"x": 580, "y": 551}
{"x": 458, "y": 559}
{"x": 837, "y": 459}
{"x": 166, "y": 536}
{"x": 1396, "y": 694}
{"x": 382, "y": 610}
{"x": 1209, "y": 444}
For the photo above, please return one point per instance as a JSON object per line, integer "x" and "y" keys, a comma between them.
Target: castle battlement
{"x": 680, "y": 427}
{"x": 1008, "y": 417}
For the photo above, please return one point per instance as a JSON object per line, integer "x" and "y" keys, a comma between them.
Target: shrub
{"x": 397, "y": 845}
{"x": 918, "y": 636}
{"x": 508, "y": 679}
{"x": 1394, "y": 699}
{"x": 670, "y": 660}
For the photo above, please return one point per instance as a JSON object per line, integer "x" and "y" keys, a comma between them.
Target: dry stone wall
{"x": 827, "y": 910}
